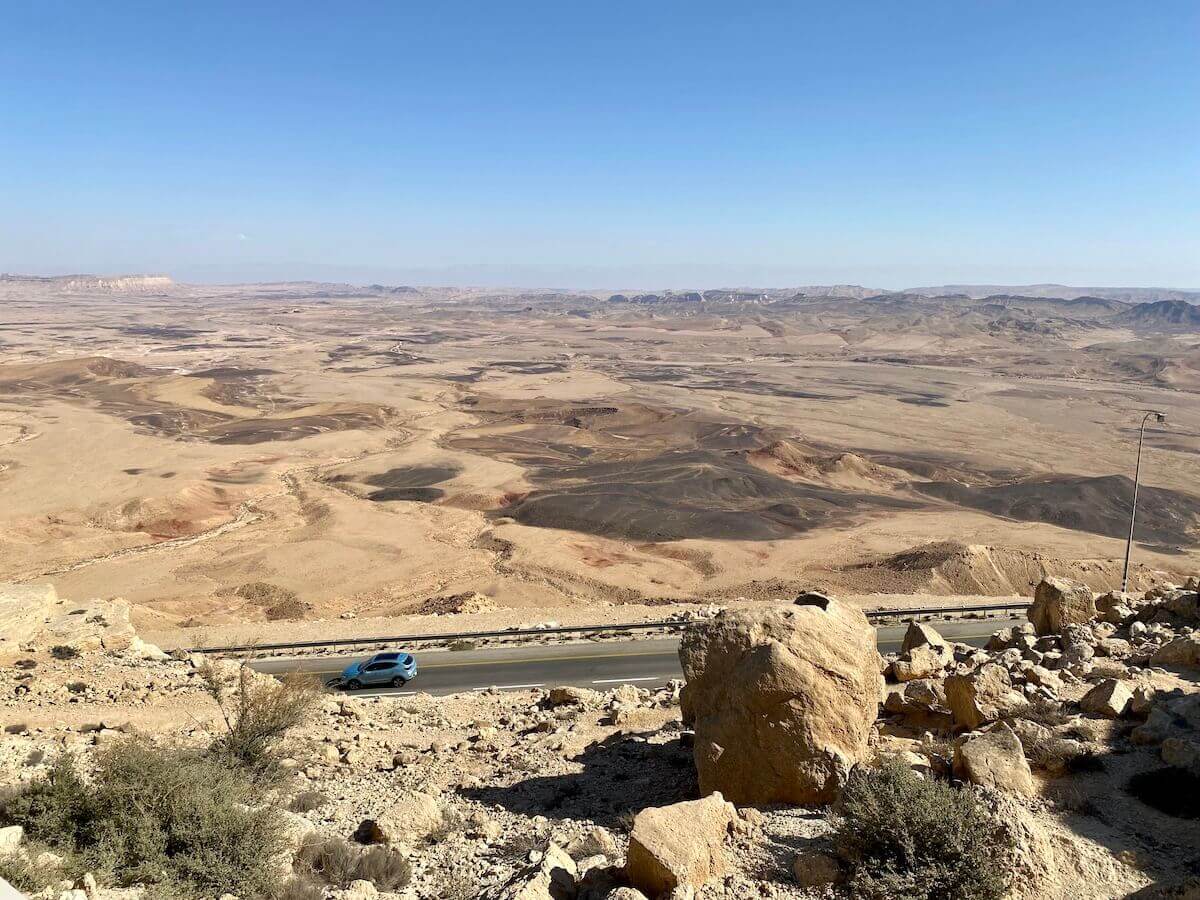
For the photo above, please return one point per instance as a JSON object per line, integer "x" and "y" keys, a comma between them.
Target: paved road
{"x": 646, "y": 663}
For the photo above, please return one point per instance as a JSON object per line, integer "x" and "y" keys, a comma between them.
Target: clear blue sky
{"x": 648, "y": 144}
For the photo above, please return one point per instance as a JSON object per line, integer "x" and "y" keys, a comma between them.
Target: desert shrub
{"x": 337, "y": 862}
{"x": 77, "y": 687}
{"x": 286, "y": 611}
{"x": 1042, "y": 711}
{"x": 62, "y": 651}
{"x": 300, "y": 889}
{"x": 909, "y": 838}
{"x": 180, "y": 822}
{"x": 458, "y": 885}
{"x": 387, "y": 869}
{"x": 25, "y": 664}
{"x": 257, "y": 713}
{"x": 25, "y": 875}
{"x": 306, "y": 801}
{"x": 16, "y": 728}
{"x": 462, "y": 645}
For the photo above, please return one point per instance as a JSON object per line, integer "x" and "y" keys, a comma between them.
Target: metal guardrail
{"x": 672, "y": 624}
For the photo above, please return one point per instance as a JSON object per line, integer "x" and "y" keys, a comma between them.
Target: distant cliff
{"x": 115, "y": 283}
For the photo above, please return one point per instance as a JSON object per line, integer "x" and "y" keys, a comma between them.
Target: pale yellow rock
{"x": 679, "y": 846}
{"x": 782, "y": 700}
{"x": 1058, "y": 602}
{"x": 994, "y": 759}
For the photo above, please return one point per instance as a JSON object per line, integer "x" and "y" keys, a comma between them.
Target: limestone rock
{"x": 411, "y": 815}
{"x": 995, "y": 759}
{"x": 982, "y": 696}
{"x": 921, "y": 635}
{"x": 782, "y": 700}
{"x": 1183, "y": 651}
{"x": 551, "y": 878}
{"x": 679, "y": 846}
{"x": 10, "y": 839}
{"x": 1110, "y": 698}
{"x": 1058, "y": 602}
{"x": 920, "y": 662}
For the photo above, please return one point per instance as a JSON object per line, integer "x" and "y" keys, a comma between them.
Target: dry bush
{"x": 337, "y": 862}
{"x": 1042, "y": 711}
{"x": 909, "y": 838}
{"x": 257, "y": 713}
{"x": 385, "y": 868}
{"x": 307, "y": 801}
{"x": 287, "y": 611}
{"x": 458, "y": 886}
{"x": 64, "y": 652}
{"x": 184, "y": 823}
{"x": 299, "y": 889}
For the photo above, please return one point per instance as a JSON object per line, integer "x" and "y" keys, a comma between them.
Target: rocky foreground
{"x": 1078, "y": 731}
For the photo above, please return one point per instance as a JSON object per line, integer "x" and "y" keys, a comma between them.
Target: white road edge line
{"x": 508, "y": 687}
{"x": 627, "y": 680}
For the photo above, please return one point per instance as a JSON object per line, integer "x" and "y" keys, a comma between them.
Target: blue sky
{"x": 647, "y": 144}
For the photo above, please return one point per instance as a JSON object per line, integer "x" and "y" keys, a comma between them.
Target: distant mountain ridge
{"x": 1060, "y": 291}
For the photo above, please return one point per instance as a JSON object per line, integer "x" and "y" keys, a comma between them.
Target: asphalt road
{"x": 599, "y": 665}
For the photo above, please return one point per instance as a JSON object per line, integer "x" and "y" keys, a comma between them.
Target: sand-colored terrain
{"x": 363, "y": 450}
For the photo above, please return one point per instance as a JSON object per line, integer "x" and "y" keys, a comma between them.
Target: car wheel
{"x": 354, "y": 684}
{"x": 399, "y": 681}
{"x": 333, "y": 683}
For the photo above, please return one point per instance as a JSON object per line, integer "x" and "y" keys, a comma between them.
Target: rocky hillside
{"x": 1072, "y": 742}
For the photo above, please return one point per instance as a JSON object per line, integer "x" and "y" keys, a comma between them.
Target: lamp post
{"x": 1137, "y": 471}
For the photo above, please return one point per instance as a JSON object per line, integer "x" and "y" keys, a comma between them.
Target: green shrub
{"x": 257, "y": 712}
{"x": 908, "y": 838}
{"x": 26, "y": 875}
{"x": 179, "y": 822}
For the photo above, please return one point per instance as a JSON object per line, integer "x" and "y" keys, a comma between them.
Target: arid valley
{"x": 250, "y": 459}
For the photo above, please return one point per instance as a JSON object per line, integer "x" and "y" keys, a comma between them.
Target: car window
{"x": 376, "y": 667}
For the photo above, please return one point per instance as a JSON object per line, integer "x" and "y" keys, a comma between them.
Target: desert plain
{"x": 287, "y": 458}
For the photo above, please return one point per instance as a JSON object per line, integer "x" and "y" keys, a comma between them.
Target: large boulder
{"x": 995, "y": 759}
{"x": 679, "y": 846}
{"x": 981, "y": 696}
{"x": 782, "y": 700}
{"x": 1058, "y": 602}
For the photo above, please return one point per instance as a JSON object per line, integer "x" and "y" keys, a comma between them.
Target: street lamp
{"x": 1137, "y": 470}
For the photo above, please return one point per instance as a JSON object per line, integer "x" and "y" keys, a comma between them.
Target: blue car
{"x": 382, "y": 669}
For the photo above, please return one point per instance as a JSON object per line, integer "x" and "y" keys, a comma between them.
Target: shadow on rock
{"x": 622, "y": 775}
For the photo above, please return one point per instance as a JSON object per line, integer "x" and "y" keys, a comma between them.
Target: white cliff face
{"x": 105, "y": 283}
{"x": 24, "y": 611}
{"x": 34, "y": 617}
